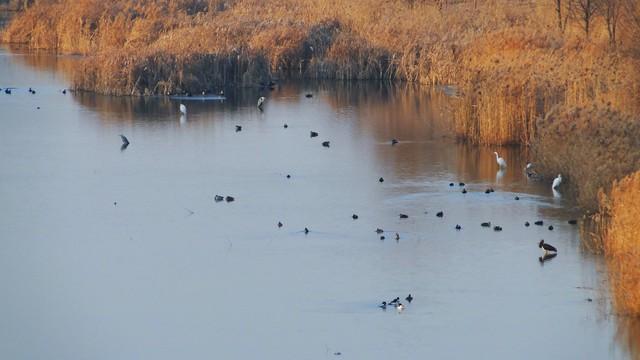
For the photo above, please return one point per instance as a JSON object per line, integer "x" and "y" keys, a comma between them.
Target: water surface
{"x": 110, "y": 253}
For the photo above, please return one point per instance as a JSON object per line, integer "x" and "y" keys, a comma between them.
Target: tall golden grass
{"x": 506, "y": 55}
{"x": 591, "y": 147}
{"x": 621, "y": 241}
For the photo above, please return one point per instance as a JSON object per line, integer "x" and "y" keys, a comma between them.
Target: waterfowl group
{"x": 396, "y": 303}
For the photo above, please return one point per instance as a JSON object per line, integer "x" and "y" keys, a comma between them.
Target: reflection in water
{"x": 556, "y": 194}
{"x": 166, "y": 267}
{"x": 546, "y": 257}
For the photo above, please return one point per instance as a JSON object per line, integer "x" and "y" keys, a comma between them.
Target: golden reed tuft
{"x": 621, "y": 241}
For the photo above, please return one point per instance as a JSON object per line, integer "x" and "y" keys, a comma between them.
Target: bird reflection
{"x": 546, "y": 257}
{"x": 183, "y": 119}
{"x": 124, "y": 146}
{"x": 556, "y": 194}
{"x": 500, "y": 174}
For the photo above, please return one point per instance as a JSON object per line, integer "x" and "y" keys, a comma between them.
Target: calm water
{"x": 167, "y": 273}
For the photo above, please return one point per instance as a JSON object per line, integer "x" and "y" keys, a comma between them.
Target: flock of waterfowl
{"x": 549, "y": 251}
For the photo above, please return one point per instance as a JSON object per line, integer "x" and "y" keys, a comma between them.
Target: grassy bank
{"x": 621, "y": 242}
{"x": 591, "y": 147}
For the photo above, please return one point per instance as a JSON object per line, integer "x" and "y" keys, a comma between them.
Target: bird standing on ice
{"x": 183, "y": 109}
{"x": 261, "y": 100}
{"x": 501, "y": 163}
{"x": 556, "y": 182}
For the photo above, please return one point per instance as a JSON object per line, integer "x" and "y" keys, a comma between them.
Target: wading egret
{"x": 183, "y": 109}
{"x": 500, "y": 161}
{"x": 556, "y": 182}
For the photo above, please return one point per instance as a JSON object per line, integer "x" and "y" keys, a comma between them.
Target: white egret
{"x": 556, "y": 182}
{"x": 183, "y": 109}
{"x": 500, "y": 161}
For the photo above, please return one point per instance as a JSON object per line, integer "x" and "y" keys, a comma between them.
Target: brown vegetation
{"x": 621, "y": 242}
{"x": 591, "y": 147}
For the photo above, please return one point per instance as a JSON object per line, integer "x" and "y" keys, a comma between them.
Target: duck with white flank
{"x": 547, "y": 247}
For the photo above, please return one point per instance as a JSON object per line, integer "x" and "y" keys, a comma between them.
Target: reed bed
{"x": 591, "y": 147}
{"x": 621, "y": 241}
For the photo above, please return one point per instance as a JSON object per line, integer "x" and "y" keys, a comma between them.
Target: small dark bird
{"x": 314, "y": 134}
{"x": 409, "y": 298}
{"x": 546, "y": 247}
{"x": 397, "y": 236}
{"x": 458, "y": 227}
{"x": 354, "y": 217}
{"x": 286, "y": 126}
{"x": 573, "y": 222}
{"x": 325, "y": 144}
{"x": 382, "y": 237}
{"x": 440, "y": 214}
{"x": 38, "y": 107}
{"x": 491, "y": 189}
{"x": 461, "y": 184}
{"x": 526, "y": 223}
{"x": 7, "y": 91}
{"x": 230, "y": 198}
{"x": 383, "y": 306}
{"x": 550, "y": 227}
{"x": 381, "y": 180}
{"x": 394, "y": 301}
{"x": 288, "y": 176}
{"x": 393, "y": 142}
{"x": 486, "y": 224}
{"x": 517, "y": 198}
{"x": 487, "y": 191}
{"x": 497, "y": 228}
{"x": 539, "y": 223}
{"x": 306, "y": 231}
{"x": 589, "y": 299}
{"x": 309, "y": 95}
{"x": 64, "y": 91}
{"x": 218, "y": 198}
{"x": 125, "y": 141}
{"x": 379, "y": 231}
{"x": 404, "y": 216}
{"x": 238, "y": 128}
{"x": 451, "y": 184}
{"x": 279, "y": 224}
{"x": 115, "y": 203}
{"x": 464, "y": 191}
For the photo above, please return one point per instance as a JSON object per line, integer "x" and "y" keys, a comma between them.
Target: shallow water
{"x": 117, "y": 254}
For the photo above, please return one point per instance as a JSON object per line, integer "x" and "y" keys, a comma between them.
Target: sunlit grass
{"x": 621, "y": 242}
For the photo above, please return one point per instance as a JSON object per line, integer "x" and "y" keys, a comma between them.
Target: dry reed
{"x": 621, "y": 241}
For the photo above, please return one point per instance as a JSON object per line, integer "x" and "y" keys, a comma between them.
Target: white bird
{"x": 556, "y": 182}
{"x": 261, "y": 100}
{"x": 500, "y": 161}
{"x": 183, "y": 109}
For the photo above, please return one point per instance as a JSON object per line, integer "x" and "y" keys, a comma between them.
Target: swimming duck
{"x": 314, "y": 134}
{"x": 546, "y": 247}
